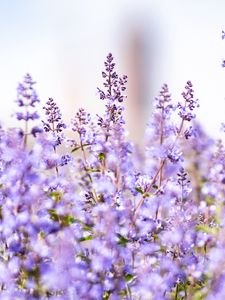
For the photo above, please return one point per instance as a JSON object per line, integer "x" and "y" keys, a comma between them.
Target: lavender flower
{"x": 115, "y": 223}
{"x": 184, "y": 183}
{"x": 175, "y": 155}
{"x": 27, "y": 99}
{"x": 80, "y": 125}
{"x": 223, "y": 35}
{"x": 190, "y": 132}
{"x": 186, "y": 110}
{"x": 54, "y": 119}
{"x": 54, "y": 123}
{"x": 115, "y": 87}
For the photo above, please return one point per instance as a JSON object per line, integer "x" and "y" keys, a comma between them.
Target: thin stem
{"x": 158, "y": 171}
{"x": 56, "y": 168}
{"x": 95, "y": 197}
{"x": 176, "y": 292}
{"x": 129, "y": 297}
{"x": 26, "y": 127}
{"x": 110, "y": 84}
{"x": 110, "y": 94}
{"x": 117, "y": 178}
{"x": 161, "y": 170}
{"x": 82, "y": 150}
{"x": 54, "y": 147}
{"x": 25, "y": 134}
{"x": 148, "y": 189}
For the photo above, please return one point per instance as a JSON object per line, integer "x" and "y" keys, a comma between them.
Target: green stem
{"x": 176, "y": 293}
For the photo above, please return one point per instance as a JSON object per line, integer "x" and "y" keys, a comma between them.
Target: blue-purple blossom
{"x": 27, "y": 98}
{"x": 109, "y": 221}
{"x": 174, "y": 155}
{"x": 186, "y": 109}
{"x": 190, "y": 132}
{"x": 113, "y": 94}
{"x": 54, "y": 123}
{"x": 223, "y": 35}
{"x": 81, "y": 124}
{"x": 115, "y": 85}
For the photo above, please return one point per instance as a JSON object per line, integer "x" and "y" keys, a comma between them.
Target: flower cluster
{"x": 223, "y": 37}
{"x": 186, "y": 109}
{"x": 54, "y": 123}
{"x": 85, "y": 214}
{"x": 113, "y": 95}
{"x": 27, "y": 99}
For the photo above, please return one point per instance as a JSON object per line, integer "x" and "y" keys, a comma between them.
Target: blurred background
{"x": 63, "y": 45}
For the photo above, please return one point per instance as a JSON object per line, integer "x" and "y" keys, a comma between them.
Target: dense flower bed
{"x": 84, "y": 214}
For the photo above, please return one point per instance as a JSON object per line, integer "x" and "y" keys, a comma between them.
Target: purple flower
{"x": 186, "y": 109}
{"x": 115, "y": 85}
{"x": 27, "y": 99}
{"x": 54, "y": 119}
{"x": 184, "y": 183}
{"x": 54, "y": 123}
{"x": 80, "y": 122}
{"x": 110, "y": 220}
{"x": 190, "y": 132}
{"x": 65, "y": 160}
{"x": 163, "y": 102}
{"x": 35, "y": 130}
{"x": 223, "y": 35}
{"x": 175, "y": 155}
{"x": 114, "y": 95}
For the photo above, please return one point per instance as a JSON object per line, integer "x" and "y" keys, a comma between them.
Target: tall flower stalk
{"x": 54, "y": 125}
{"x": 186, "y": 114}
{"x": 27, "y": 99}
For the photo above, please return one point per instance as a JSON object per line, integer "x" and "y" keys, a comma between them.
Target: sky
{"x": 63, "y": 44}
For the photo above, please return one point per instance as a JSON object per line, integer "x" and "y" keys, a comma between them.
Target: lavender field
{"x": 87, "y": 214}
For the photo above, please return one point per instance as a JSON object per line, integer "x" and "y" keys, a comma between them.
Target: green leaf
{"x": 146, "y": 195}
{"x": 83, "y": 257}
{"x": 56, "y": 195}
{"x": 122, "y": 240}
{"x": 129, "y": 277}
{"x": 86, "y": 238}
{"x": 75, "y": 149}
{"x": 67, "y": 220}
{"x": 200, "y": 295}
{"x": 85, "y": 226}
{"x": 106, "y": 295}
{"x": 64, "y": 220}
{"x": 155, "y": 186}
{"x": 53, "y": 215}
{"x": 92, "y": 170}
{"x": 79, "y": 147}
{"x": 22, "y": 280}
{"x": 101, "y": 156}
{"x": 139, "y": 190}
{"x": 123, "y": 293}
{"x": 210, "y": 200}
{"x": 205, "y": 228}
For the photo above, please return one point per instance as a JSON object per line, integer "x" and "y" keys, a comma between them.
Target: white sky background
{"x": 63, "y": 44}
